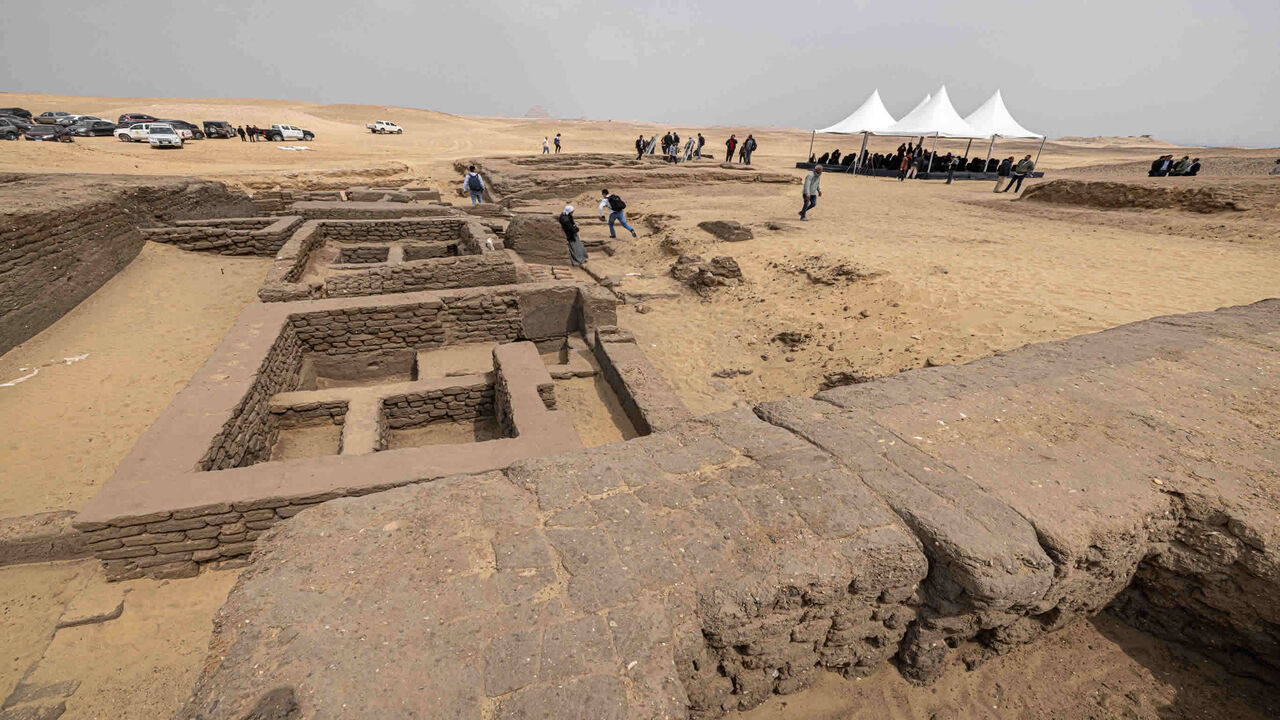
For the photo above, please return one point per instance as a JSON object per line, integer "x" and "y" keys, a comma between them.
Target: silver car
{"x": 162, "y": 136}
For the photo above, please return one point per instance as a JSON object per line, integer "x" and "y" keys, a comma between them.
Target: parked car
{"x": 50, "y": 117}
{"x": 383, "y": 127}
{"x": 128, "y": 119}
{"x": 90, "y": 128}
{"x": 48, "y": 133}
{"x": 218, "y": 129}
{"x": 24, "y": 114}
{"x": 279, "y": 133}
{"x": 20, "y": 122}
{"x": 8, "y": 130}
{"x": 73, "y": 119}
{"x": 136, "y": 132}
{"x": 185, "y": 129}
{"x": 162, "y": 135}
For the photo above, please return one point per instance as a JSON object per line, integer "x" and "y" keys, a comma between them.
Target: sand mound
{"x": 1123, "y": 196}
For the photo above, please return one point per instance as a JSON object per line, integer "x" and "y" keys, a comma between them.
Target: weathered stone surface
{"x": 700, "y": 569}
{"x": 727, "y": 230}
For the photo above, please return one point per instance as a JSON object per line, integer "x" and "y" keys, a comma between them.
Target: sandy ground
{"x": 930, "y": 274}
{"x": 145, "y": 333}
{"x": 139, "y": 665}
{"x": 1127, "y": 675}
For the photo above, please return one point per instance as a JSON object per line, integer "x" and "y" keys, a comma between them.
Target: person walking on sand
{"x": 557, "y": 143}
{"x": 697, "y": 152}
{"x": 577, "y": 251}
{"x": 732, "y": 144}
{"x": 640, "y": 147}
{"x": 903, "y": 165}
{"x": 546, "y": 146}
{"x": 748, "y": 147}
{"x": 811, "y": 190}
{"x": 240, "y": 131}
{"x": 1002, "y": 172}
{"x": 617, "y": 211}
{"x": 474, "y": 185}
{"x": 1020, "y": 173}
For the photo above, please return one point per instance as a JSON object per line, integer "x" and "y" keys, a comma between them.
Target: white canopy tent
{"x": 870, "y": 116}
{"x": 933, "y": 116}
{"x": 994, "y": 120}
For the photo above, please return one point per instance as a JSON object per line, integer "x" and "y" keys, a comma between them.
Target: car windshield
{"x": 161, "y": 129}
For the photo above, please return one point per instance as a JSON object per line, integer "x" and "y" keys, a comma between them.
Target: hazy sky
{"x": 1204, "y": 71}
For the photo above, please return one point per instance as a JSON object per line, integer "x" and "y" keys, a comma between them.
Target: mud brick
{"x": 175, "y": 525}
{"x": 154, "y": 538}
{"x": 207, "y": 531}
{"x": 234, "y": 549}
{"x": 140, "y": 519}
{"x": 260, "y": 514}
{"x": 162, "y": 559}
{"x": 128, "y": 552}
{"x": 187, "y": 545}
{"x": 215, "y": 509}
{"x": 261, "y": 524}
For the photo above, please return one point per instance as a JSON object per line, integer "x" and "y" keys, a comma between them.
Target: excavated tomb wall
{"x": 244, "y": 236}
{"x": 55, "y": 254}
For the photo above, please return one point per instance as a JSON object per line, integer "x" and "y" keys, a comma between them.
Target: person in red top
{"x": 732, "y": 144}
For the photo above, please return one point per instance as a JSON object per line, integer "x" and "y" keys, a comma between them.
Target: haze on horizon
{"x": 1190, "y": 71}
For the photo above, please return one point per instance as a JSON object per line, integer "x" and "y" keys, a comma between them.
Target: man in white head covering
{"x": 577, "y": 251}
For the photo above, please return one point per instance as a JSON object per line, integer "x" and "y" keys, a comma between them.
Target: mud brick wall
{"x": 248, "y": 435}
{"x": 425, "y": 251}
{"x": 174, "y": 544}
{"x": 480, "y": 318}
{"x": 463, "y": 402}
{"x": 61, "y": 238}
{"x": 649, "y": 401}
{"x": 333, "y": 411}
{"x": 363, "y": 254}
{"x": 431, "y": 229}
{"x": 338, "y": 210}
{"x": 497, "y": 268}
{"x": 228, "y": 239}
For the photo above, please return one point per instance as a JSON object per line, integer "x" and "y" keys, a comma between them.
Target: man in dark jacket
{"x": 640, "y": 147}
{"x": 240, "y": 131}
{"x": 697, "y": 152}
{"x": 577, "y": 251}
{"x": 731, "y": 144}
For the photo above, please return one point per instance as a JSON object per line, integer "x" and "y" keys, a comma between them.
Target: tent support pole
{"x": 1042, "y": 141}
{"x": 933, "y": 152}
{"x": 811, "y": 137}
{"x": 966, "y": 151}
{"x": 990, "y": 147}
{"x": 857, "y": 162}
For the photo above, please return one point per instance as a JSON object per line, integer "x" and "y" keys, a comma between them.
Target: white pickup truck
{"x": 136, "y": 132}
{"x": 280, "y": 133}
{"x": 384, "y": 127}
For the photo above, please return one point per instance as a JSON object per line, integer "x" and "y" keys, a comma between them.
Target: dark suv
{"x": 8, "y": 130}
{"x": 218, "y": 129}
{"x": 128, "y": 119}
{"x": 19, "y": 112}
{"x": 180, "y": 125}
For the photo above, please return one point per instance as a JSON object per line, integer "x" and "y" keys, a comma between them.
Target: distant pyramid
{"x": 538, "y": 112}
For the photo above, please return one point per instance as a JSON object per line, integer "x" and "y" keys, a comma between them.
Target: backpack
{"x": 616, "y": 204}
{"x": 474, "y": 182}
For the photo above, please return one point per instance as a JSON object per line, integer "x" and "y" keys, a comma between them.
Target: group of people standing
{"x": 747, "y": 147}
{"x": 1164, "y": 166}
{"x": 546, "y": 145}
{"x": 250, "y": 133}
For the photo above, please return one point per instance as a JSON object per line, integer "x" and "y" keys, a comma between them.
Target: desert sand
{"x": 885, "y": 276}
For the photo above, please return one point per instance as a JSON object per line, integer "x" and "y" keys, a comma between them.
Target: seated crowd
{"x": 908, "y": 156}
{"x": 1166, "y": 166}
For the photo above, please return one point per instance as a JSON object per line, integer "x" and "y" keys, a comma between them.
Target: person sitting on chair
{"x": 1181, "y": 167}
{"x": 835, "y": 157}
{"x": 1193, "y": 169}
{"x": 823, "y": 159}
{"x": 813, "y": 159}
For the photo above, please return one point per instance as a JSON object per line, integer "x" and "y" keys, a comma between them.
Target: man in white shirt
{"x": 812, "y": 190}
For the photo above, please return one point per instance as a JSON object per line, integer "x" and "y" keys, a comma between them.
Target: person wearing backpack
{"x": 577, "y": 251}
{"x": 474, "y": 184}
{"x": 617, "y": 212}
{"x": 748, "y": 147}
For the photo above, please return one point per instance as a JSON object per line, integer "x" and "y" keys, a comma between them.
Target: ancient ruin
{"x": 411, "y": 393}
